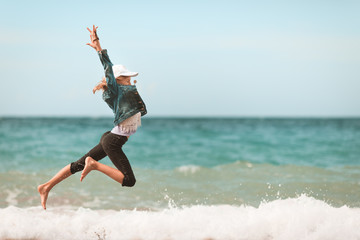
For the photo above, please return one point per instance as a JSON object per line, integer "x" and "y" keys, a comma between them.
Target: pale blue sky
{"x": 195, "y": 58}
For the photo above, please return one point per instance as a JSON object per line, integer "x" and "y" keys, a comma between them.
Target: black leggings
{"x": 110, "y": 145}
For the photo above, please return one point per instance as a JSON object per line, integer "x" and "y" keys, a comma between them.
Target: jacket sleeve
{"x": 109, "y": 75}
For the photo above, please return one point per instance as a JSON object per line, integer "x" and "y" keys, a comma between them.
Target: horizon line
{"x": 191, "y": 116}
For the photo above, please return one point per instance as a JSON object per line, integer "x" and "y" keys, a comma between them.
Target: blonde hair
{"x": 101, "y": 85}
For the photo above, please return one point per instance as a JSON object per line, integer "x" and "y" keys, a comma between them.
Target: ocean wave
{"x": 293, "y": 218}
{"x": 234, "y": 184}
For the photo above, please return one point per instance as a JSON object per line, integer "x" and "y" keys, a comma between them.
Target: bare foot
{"x": 89, "y": 165}
{"x": 44, "y": 192}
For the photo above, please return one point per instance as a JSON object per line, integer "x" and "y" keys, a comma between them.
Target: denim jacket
{"x": 124, "y": 100}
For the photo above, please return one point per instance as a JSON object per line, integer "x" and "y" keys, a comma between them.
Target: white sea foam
{"x": 11, "y": 198}
{"x": 188, "y": 169}
{"x": 296, "y": 218}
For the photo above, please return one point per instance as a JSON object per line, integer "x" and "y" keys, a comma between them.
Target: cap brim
{"x": 129, "y": 74}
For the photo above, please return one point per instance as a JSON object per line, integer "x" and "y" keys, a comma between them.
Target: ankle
{"x": 94, "y": 165}
{"x": 45, "y": 187}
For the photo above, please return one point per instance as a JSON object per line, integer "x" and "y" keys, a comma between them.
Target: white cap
{"x": 120, "y": 70}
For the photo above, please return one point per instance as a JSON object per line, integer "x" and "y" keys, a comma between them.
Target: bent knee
{"x": 129, "y": 182}
{"x": 76, "y": 167}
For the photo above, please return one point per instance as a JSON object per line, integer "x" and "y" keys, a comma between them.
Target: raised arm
{"x": 94, "y": 39}
{"x": 105, "y": 60}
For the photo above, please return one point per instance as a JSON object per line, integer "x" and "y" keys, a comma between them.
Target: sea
{"x": 197, "y": 178}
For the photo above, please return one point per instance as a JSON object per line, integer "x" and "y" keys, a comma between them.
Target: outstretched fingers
{"x": 94, "y": 39}
{"x": 93, "y": 30}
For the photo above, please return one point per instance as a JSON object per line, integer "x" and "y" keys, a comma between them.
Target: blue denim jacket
{"x": 124, "y": 100}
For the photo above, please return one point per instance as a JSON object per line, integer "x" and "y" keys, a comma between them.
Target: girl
{"x": 127, "y": 105}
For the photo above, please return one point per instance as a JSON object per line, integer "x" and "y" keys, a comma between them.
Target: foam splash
{"x": 294, "y": 218}
{"x": 188, "y": 169}
{"x": 12, "y": 195}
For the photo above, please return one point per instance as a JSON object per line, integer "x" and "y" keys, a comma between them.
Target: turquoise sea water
{"x": 183, "y": 164}
{"x": 33, "y": 144}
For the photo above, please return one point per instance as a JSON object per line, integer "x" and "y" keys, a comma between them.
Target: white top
{"x": 128, "y": 126}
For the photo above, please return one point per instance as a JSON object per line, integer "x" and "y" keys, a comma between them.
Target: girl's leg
{"x": 96, "y": 153}
{"x": 122, "y": 163}
{"x": 112, "y": 144}
{"x": 91, "y": 164}
{"x": 45, "y": 188}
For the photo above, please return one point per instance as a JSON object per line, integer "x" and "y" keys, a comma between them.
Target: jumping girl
{"x": 128, "y": 107}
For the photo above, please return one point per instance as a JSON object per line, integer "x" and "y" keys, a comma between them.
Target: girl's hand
{"x": 94, "y": 39}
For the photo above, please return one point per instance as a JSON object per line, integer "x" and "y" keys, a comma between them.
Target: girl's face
{"x": 123, "y": 80}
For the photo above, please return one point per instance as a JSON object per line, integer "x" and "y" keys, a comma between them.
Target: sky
{"x": 194, "y": 58}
